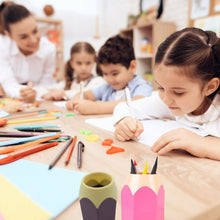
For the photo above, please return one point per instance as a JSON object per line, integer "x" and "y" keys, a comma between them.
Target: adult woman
{"x": 26, "y": 58}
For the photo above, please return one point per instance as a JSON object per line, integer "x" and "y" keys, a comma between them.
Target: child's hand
{"x": 86, "y": 107}
{"x": 180, "y": 138}
{"x": 70, "y": 104}
{"x": 58, "y": 95}
{"x": 54, "y": 95}
{"x": 128, "y": 128}
{"x": 28, "y": 94}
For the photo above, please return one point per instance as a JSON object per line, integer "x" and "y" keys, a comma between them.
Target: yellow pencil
{"x": 145, "y": 168}
{"x": 31, "y": 120}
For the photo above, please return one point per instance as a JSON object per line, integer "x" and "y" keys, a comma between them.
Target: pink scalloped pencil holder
{"x": 142, "y": 198}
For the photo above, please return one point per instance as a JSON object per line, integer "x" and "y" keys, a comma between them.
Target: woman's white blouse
{"x": 15, "y": 68}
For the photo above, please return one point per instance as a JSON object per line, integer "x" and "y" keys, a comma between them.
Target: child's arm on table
{"x": 199, "y": 146}
{"x": 89, "y": 105}
{"x": 72, "y": 102}
{"x": 54, "y": 95}
{"x": 128, "y": 128}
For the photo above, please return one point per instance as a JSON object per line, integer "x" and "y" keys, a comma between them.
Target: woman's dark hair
{"x": 12, "y": 13}
{"x": 195, "y": 50}
{"x": 116, "y": 50}
{"x": 76, "y": 48}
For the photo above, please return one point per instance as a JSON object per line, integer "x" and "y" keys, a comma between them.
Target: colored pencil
{"x": 17, "y": 156}
{"x": 20, "y": 140}
{"x": 35, "y": 126}
{"x": 154, "y": 169}
{"x": 16, "y": 134}
{"x": 31, "y": 120}
{"x": 40, "y": 130}
{"x": 21, "y": 116}
{"x": 70, "y": 150}
{"x": 145, "y": 168}
{"x": 28, "y": 144}
{"x": 133, "y": 170}
{"x": 60, "y": 153}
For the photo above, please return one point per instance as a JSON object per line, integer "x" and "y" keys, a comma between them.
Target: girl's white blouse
{"x": 153, "y": 108}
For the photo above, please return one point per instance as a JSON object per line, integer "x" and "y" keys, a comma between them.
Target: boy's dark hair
{"x": 12, "y": 13}
{"x": 116, "y": 50}
{"x": 195, "y": 50}
{"x": 76, "y": 48}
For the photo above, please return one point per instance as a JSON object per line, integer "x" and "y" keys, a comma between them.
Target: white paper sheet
{"x": 153, "y": 129}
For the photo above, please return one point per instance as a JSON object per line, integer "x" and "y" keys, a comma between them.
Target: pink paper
{"x": 1, "y": 217}
{"x": 144, "y": 204}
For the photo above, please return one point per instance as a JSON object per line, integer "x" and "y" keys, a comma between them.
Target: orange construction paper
{"x": 107, "y": 142}
{"x": 114, "y": 150}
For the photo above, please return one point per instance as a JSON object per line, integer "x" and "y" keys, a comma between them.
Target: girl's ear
{"x": 71, "y": 63}
{"x": 212, "y": 86}
{"x": 133, "y": 66}
{"x": 8, "y": 34}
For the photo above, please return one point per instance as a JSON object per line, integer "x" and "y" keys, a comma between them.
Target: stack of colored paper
{"x": 28, "y": 190}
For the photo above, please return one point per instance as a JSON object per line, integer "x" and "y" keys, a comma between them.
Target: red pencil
{"x": 14, "y": 157}
{"x": 70, "y": 150}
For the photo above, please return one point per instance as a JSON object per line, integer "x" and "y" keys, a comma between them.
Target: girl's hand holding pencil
{"x": 128, "y": 128}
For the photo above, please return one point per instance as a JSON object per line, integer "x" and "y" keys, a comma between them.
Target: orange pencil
{"x": 20, "y": 146}
{"x": 22, "y": 115}
{"x": 70, "y": 150}
{"x": 14, "y": 157}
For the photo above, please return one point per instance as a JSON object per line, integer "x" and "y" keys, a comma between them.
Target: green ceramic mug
{"x": 98, "y": 196}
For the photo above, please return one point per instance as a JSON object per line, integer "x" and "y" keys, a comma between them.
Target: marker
{"x": 81, "y": 147}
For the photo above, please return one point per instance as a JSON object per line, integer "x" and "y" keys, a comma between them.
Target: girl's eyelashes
{"x": 178, "y": 93}
{"x": 160, "y": 88}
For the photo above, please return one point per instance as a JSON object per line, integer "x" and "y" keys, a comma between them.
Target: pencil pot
{"x": 142, "y": 198}
{"x": 98, "y": 196}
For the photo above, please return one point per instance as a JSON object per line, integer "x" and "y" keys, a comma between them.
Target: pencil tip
{"x": 66, "y": 163}
{"x": 50, "y": 167}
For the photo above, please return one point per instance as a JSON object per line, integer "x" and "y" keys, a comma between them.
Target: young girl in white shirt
{"x": 27, "y": 60}
{"x": 78, "y": 73}
{"x": 187, "y": 73}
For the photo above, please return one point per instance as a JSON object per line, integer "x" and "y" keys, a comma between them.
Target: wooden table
{"x": 192, "y": 185}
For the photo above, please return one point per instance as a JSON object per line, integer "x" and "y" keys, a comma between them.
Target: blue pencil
{"x": 36, "y": 126}
{"x": 19, "y": 140}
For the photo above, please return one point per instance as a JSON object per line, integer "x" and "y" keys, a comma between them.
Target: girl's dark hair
{"x": 76, "y": 48}
{"x": 12, "y": 13}
{"x": 195, "y": 50}
{"x": 116, "y": 50}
